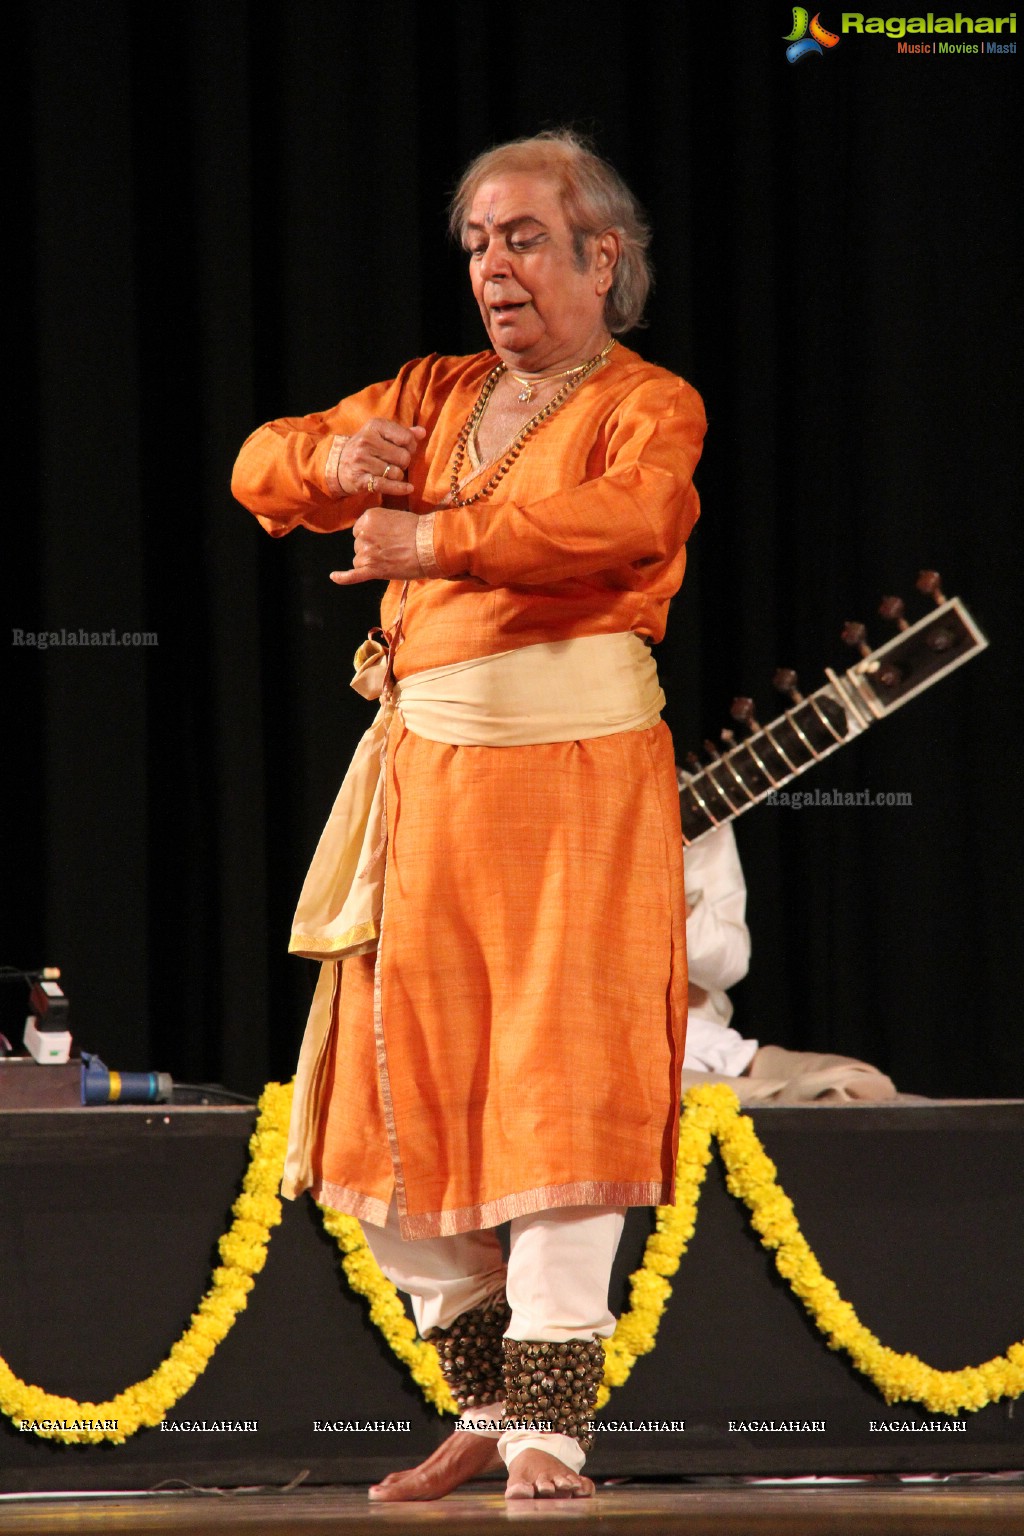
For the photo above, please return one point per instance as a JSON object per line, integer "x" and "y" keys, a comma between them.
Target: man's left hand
{"x": 385, "y": 540}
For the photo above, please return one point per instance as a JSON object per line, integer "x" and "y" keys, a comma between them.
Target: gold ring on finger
{"x": 387, "y": 471}
{"x": 371, "y": 484}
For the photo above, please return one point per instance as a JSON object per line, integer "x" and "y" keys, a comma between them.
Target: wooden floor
{"x": 989, "y": 1507}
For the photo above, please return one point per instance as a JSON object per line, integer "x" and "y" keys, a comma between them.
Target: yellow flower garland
{"x": 750, "y": 1175}
{"x": 387, "y": 1311}
{"x": 243, "y": 1251}
{"x": 712, "y": 1112}
{"x": 674, "y": 1225}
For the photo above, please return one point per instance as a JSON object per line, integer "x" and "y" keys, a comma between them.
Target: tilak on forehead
{"x": 524, "y": 215}
{"x": 518, "y": 218}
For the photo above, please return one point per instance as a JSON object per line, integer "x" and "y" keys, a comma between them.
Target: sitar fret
{"x": 770, "y": 757}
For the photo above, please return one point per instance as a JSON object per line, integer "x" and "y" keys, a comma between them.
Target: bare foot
{"x": 463, "y": 1456}
{"x": 536, "y": 1475}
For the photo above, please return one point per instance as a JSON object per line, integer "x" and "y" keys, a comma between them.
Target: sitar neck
{"x": 770, "y": 756}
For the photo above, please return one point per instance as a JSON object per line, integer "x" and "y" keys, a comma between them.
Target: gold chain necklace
{"x": 515, "y": 448}
{"x": 529, "y": 385}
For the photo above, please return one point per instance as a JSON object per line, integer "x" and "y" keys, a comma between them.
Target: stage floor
{"x": 989, "y": 1507}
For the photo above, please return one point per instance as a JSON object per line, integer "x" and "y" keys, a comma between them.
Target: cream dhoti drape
{"x": 567, "y": 690}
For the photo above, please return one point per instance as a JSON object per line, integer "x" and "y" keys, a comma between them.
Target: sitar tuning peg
{"x": 892, "y": 608}
{"x": 854, "y": 634}
{"x": 694, "y": 763}
{"x": 889, "y": 675}
{"x": 711, "y": 750}
{"x": 786, "y": 680}
{"x": 742, "y": 710}
{"x": 930, "y": 582}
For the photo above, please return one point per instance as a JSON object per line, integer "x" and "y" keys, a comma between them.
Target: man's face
{"x": 539, "y": 309}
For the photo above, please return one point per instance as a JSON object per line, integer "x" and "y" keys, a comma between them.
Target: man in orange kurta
{"x": 512, "y": 1045}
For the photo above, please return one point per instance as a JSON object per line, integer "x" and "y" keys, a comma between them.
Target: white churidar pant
{"x": 556, "y": 1282}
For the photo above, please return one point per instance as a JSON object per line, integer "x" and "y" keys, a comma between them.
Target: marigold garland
{"x": 750, "y": 1175}
{"x": 711, "y": 1112}
{"x": 387, "y": 1311}
{"x": 243, "y": 1251}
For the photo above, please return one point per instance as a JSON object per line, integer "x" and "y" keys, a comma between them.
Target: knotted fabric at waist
{"x": 563, "y": 690}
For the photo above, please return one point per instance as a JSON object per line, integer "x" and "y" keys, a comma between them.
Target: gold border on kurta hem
{"x": 473, "y": 1218}
{"x": 350, "y": 1202}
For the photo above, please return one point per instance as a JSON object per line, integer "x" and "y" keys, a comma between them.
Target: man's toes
{"x": 546, "y": 1485}
{"x": 399, "y": 1485}
{"x": 568, "y": 1486}
{"x": 460, "y": 1459}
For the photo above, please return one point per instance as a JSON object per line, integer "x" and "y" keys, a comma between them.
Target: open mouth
{"x": 505, "y": 311}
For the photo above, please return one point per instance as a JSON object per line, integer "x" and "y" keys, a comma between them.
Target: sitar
{"x": 744, "y": 773}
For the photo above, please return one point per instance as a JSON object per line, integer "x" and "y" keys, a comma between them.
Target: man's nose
{"x": 494, "y": 261}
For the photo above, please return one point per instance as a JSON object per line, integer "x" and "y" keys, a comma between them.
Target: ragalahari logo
{"x": 808, "y": 36}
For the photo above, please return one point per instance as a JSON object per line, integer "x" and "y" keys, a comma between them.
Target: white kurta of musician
{"x": 717, "y": 952}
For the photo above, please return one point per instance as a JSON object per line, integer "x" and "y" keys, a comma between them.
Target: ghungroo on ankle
{"x": 470, "y": 1352}
{"x": 554, "y": 1384}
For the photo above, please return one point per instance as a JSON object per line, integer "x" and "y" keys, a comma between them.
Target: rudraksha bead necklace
{"x": 515, "y": 448}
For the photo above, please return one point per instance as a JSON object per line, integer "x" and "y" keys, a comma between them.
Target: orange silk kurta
{"x": 531, "y": 968}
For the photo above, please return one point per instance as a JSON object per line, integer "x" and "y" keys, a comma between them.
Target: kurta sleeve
{"x": 286, "y": 472}
{"x": 636, "y": 508}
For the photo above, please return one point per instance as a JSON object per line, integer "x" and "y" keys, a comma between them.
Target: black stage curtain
{"x": 223, "y": 212}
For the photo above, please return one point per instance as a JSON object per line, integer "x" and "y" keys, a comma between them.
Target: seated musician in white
{"x": 718, "y": 954}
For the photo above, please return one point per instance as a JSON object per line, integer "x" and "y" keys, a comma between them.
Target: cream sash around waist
{"x": 564, "y": 690}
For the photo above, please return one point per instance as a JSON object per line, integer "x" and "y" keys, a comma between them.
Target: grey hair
{"x": 595, "y": 199}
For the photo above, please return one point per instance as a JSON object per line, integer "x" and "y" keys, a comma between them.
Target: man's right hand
{"x": 376, "y": 458}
